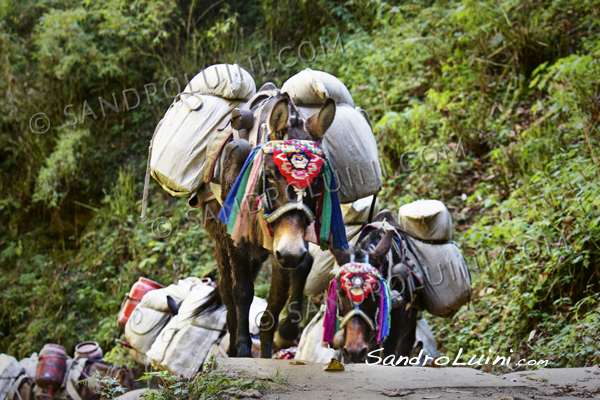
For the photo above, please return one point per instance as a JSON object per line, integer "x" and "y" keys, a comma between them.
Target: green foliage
{"x": 105, "y": 385}
{"x": 492, "y": 107}
{"x": 61, "y": 168}
{"x": 211, "y": 383}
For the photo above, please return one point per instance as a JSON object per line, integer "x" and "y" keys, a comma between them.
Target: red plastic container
{"x": 90, "y": 350}
{"x": 51, "y": 368}
{"x": 133, "y": 298}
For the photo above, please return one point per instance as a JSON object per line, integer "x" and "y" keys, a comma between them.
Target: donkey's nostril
{"x": 362, "y": 355}
{"x": 278, "y": 257}
{"x": 290, "y": 260}
{"x": 356, "y": 356}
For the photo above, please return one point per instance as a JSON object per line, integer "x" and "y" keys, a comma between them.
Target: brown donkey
{"x": 358, "y": 335}
{"x": 239, "y": 262}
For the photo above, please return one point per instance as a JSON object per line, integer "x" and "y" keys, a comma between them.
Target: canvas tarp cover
{"x": 185, "y": 341}
{"x": 172, "y": 350}
{"x": 446, "y": 278}
{"x": 183, "y": 143}
{"x": 152, "y": 314}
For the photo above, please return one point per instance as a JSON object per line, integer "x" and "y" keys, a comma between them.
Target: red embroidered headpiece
{"x": 299, "y": 161}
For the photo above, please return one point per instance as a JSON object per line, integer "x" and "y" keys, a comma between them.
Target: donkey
{"x": 358, "y": 336}
{"x": 240, "y": 261}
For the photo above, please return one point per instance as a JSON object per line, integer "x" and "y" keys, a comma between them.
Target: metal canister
{"x": 90, "y": 350}
{"x": 51, "y": 368}
{"x": 133, "y": 298}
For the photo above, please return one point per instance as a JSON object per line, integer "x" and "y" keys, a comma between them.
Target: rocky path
{"x": 360, "y": 381}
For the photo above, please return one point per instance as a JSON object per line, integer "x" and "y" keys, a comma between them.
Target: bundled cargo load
{"x": 187, "y": 341}
{"x": 190, "y": 135}
{"x": 446, "y": 279}
{"x": 349, "y": 142}
{"x": 182, "y": 345}
{"x": 152, "y": 314}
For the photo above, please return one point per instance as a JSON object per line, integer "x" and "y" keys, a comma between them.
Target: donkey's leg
{"x": 288, "y": 328}
{"x": 402, "y": 331}
{"x": 223, "y": 246}
{"x": 243, "y": 294}
{"x": 278, "y": 295}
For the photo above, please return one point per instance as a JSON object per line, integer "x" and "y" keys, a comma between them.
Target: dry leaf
{"x": 396, "y": 393}
{"x": 334, "y": 365}
{"x": 533, "y": 378}
{"x": 297, "y": 362}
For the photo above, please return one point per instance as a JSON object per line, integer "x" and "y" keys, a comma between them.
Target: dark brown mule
{"x": 28, "y": 390}
{"x": 357, "y": 339}
{"x": 239, "y": 265}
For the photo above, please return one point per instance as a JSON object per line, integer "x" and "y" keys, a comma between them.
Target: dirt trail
{"x": 360, "y": 381}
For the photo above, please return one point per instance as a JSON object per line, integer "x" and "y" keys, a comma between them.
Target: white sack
{"x": 426, "y": 220}
{"x": 310, "y": 349}
{"x": 10, "y": 370}
{"x": 311, "y": 87}
{"x": 184, "y": 342}
{"x": 446, "y": 279}
{"x": 424, "y": 337}
{"x": 223, "y": 80}
{"x": 180, "y": 150}
{"x": 29, "y": 364}
{"x": 152, "y": 314}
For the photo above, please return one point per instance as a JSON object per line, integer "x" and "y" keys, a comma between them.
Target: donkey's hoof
{"x": 281, "y": 342}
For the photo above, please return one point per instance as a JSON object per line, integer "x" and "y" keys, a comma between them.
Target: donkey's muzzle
{"x": 290, "y": 259}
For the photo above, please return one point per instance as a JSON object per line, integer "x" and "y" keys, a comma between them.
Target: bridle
{"x": 358, "y": 280}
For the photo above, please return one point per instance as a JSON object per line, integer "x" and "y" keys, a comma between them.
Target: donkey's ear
{"x": 342, "y": 256}
{"x": 279, "y": 117}
{"x": 318, "y": 124}
{"x": 377, "y": 256}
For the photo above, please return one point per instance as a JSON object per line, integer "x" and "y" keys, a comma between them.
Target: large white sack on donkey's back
{"x": 349, "y": 142}
{"x": 446, "y": 278}
{"x": 310, "y": 87}
{"x": 426, "y": 220}
{"x": 186, "y": 138}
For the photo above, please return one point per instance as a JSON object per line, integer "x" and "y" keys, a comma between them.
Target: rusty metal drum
{"x": 133, "y": 298}
{"x": 52, "y": 366}
{"x": 90, "y": 350}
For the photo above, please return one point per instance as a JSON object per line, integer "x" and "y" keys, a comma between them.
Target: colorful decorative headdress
{"x": 300, "y": 162}
{"x": 358, "y": 280}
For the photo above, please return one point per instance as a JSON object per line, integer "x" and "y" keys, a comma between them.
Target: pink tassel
{"x": 330, "y": 313}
